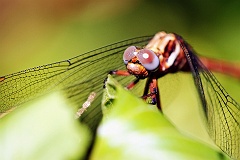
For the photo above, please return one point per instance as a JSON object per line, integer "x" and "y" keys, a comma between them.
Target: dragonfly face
{"x": 140, "y": 62}
{"x": 162, "y": 55}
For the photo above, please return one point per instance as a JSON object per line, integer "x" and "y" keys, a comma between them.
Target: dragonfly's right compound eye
{"x": 129, "y": 53}
{"x": 148, "y": 59}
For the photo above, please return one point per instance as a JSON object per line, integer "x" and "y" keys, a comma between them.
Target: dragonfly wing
{"x": 76, "y": 77}
{"x": 222, "y": 112}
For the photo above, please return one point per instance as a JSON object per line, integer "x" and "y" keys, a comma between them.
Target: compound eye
{"x": 129, "y": 54}
{"x": 148, "y": 59}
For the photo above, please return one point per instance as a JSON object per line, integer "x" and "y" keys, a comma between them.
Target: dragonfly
{"x": 147, "y": 59}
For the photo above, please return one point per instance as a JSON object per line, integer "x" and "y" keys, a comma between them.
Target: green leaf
{"x": 133, "y": 129}
{"x": 45, "y": 129}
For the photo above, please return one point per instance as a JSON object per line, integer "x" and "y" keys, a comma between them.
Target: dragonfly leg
{"x": 154, "y": 92}
{"x": 150, "y": 85}
{"x": 120, "y": 73}
{"x": 132, "y": 84}
{"x": 125, "y": 73}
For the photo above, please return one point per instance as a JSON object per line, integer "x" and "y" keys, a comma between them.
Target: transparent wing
{"x": 222, "y": 112}
{"x": 76, "y": 77}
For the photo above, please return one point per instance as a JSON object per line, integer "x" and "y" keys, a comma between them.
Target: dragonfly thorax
{"x": 171, "y": 55}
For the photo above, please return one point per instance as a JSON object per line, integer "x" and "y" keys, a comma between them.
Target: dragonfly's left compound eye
{"x": 148, "y": 59}
{"x": 129, "y": 54}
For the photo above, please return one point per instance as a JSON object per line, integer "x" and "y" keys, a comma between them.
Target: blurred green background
{"x": 45, "y": 31}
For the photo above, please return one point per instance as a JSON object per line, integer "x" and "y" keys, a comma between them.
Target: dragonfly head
{"x": 140, "y": 62}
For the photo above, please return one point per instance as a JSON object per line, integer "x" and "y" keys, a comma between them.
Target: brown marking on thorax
{"x": 164, "y": 45}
